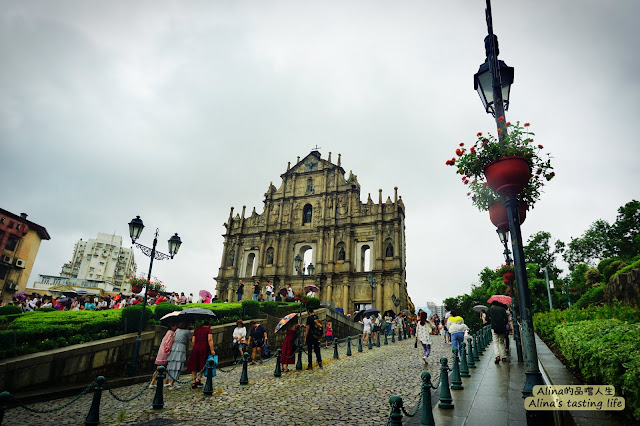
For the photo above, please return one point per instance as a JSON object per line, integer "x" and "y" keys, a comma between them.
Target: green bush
{"x": 130, "y": 319}
{"x": 10, "y": 309}
{"x": 250, "y": 308}
{"x": 605, "y": 352}
{"x": 42, "y": 310}
{"x": 162, "y": 309}
{"x": 220, "y": 309}
{"x": 611, "y": 269}
{"x": 593, "y": 296}
{"x": 313, "y": 302}
{"x": 634, "y": 265}
{"x": 269, "y": 307}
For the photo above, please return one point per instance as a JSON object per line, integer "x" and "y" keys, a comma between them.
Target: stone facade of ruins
{"x": 317, "y": 213}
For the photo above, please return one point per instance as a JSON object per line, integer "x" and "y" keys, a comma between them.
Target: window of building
{"x": 307, "y": 213}
{"x": 2, "y": 220}
{"x": 18, "y": 226}
{"x": 11, "y": 223}
{"x": 3, "y": 271}
{"x": 249, "y": 269}
{"x": 12, "y": 242}
{"x": 270, "y": 254}
{"x": 341, "y": 251}
{"x": 365, "y": 259}
{"x": 389, "y": 250}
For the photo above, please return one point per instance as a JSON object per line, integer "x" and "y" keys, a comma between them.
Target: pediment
{"x": 313, "y": 162}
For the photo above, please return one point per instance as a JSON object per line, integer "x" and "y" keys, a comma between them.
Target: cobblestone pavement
{"x": 349, "y": 391}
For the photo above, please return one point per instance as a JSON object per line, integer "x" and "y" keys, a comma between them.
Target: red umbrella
{"x": 505, "y": 300}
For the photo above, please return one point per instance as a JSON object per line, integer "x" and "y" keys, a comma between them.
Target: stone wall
{"x": 625, "y": 288}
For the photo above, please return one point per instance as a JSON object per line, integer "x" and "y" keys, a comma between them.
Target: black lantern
{"x": 483, "y": 83}
{"x": 135, "y": 228}
{"x": 503, "y": 235}
{"x": 174, "y": 245}
{"x": 311, "y": 269}
{"x": 297, "y": 263}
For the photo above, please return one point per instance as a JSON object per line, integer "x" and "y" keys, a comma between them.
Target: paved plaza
{"x": 349, "y": 391}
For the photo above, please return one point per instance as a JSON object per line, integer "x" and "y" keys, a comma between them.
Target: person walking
{"x": 178, "y": 355}
{"x": 239, "y": 340}
{"x": 312, "y": 336}
{"x": 163, "y": 353}
{"x": 366, "y": 328}
{"x": 436, "y": 322}
{"x": 202, "y": 341}
{"x": 240, "y": 290}
{"x": 457, "y": 328}
{"x": 499, "y": 320}
{"x": 287, "y": 355}
{"x": 257, "y": 338}
{"x": 423, "y": 334}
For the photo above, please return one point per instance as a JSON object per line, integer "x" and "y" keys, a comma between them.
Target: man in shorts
{"x": 257, "y": 338}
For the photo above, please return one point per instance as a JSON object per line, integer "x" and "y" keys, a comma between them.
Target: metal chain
{"x": 415, "y": 410}
{"x": 184, "y": 382}
{"x": 437, "y": 385}
{"x": 229, "y": 370}
{"x": 51, "y": 410}
{"x": 144, "y": 388}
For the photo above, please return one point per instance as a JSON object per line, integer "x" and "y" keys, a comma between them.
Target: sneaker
{"x": 152, "y": 386}
{"x": 320, "y": 365}
{"x": 424, "y": 358}
{"x": 175, "y": 386}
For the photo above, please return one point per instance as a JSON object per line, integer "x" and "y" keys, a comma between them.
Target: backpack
{"x": 317, "y": 330}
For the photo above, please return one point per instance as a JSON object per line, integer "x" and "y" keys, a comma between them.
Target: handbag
{"x": 266, "y": 350}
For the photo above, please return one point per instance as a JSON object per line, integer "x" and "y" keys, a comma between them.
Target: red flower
{"x": 461, "y": 143}
{"x": 508, "y": 123}
{"x": 501, "y": 118}
{"x": 468, "y": 193}
{"x": 479, "y": 134}
{"x": 527, "y": 124}
{"x": 499, "y": 130}
{"x": 540, "y": 146}
{"x": 459, "y": 152}
{"x": 473, "y": 149}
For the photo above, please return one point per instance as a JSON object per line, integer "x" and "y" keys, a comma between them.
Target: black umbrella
{"x": 189, "y": 315}
{"x": 390, "y": 313}
{"x": 358, "y": 316}
{"x": 372, "y": 311}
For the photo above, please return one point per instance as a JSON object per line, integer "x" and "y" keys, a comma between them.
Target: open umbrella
{"x": 373, "y": 311}
{"x": 479, "y": 308}
{"x": 390, "y": 313}
{"x": 205, "y": 294}
{"x": 283, "y": 292}
{"x": 311, "y": 287}
{"x": 357, "y": 316}
{"x": 282, "y": 324}
{"x": 505, "y": 300}
{"x": 70, "y": 293}
{"x": 407, "y": 312}
{"x": 170, "y": 317}
{"x": 190, "y": 315}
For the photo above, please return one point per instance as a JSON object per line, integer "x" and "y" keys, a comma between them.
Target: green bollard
{"x": 378, "y": 339}
{"x": 479, "y": 343}
{"x": 360, "y": 343}
{"x": 208, "y": 384}
{"x": 446, "y": 401}
{"x": 464, "y": 367}
{"x": 335, "y": 349}
{"x": 370, "y": 345}
{"x": 299, "y": 362}
{"x": 427, "y": 412}
{"x": 456, "y": 380}
{"x": 476, "y": 354}
{"x": 244, "y": 377}
{"x": 278, "y": 372}
{"x": 93, "y": 418}
{"x": 348, "y": 345}
{"x": 406, "y": 333}
{"x": 470, "y": 361}
{"x": 158, "y": 399}
{"x": 393, "y": 336}
{"x": 5, "y": 397}
{"x": 395, "y": 418}
{"x": 386, "y": 341}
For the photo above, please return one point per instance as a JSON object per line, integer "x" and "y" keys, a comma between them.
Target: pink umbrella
{"x": 204, "y": 294}
{"x": 505, "y": 300}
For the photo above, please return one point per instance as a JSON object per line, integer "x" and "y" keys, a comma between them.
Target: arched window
{"x": 270, "y": 256}
{"x": 307, "y": 213}
{"x": 365, "y": 258}
{"x": 232, "y": 257}
{"x": 341, "y": 252}
{"x": 249, "y": 269}
{"x": 389, "y": 250}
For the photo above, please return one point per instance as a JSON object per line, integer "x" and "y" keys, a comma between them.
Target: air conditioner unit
{"x": 12, "y": 285}
{"x": 7, "y": 259}
{"x": 21, "y": 263}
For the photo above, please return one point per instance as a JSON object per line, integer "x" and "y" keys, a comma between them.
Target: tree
{"x": 595, "y": 244}
{"x": 538, "y": 251}
{"x": 626, "y": 230}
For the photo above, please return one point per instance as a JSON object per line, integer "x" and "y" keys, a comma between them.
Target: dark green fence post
{"x": 456, "y": 380}
{"x": 360, "y": 343}
{"x": 427, "y": 411}
{"x": 370, "y": 345}
{"x": 208, "y": 384}
{"x": 348, "y": 345}
{"x": 277, "y": 372}
{"x": 445, "y": 394}
{"x": 464, "y": 367}
{"x": 399, "y": 335}
{"x": 395, "y": 417}
{"x": 158, "y": 398}
{"x": 299, "y": 362}
{"x": 244, "y": 377}
{"x": 378, "y": 339}
{"x": 5, "y": 397}
{"x": 470, "y": 361}
{"x": 93, "y": 418}
{"x": 335, "y": 349}
{"x": 393, "y": 336}
{"x": 386, "y": 340}
{"x": 479, "y": 343}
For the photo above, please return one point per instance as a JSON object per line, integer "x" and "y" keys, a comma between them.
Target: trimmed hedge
{"x": 10, "y": 310}
{"x": 605, "y": 352}
{"x": 162, "y": 309}
{"x": 130, "y": 318}
{"x": 251, "y": 308}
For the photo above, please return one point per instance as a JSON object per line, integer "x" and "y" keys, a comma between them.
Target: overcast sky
{"x": 176, "y": 111}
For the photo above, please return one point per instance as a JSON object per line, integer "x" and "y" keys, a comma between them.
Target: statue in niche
{"x": 232, "y": 258}
{"x": 389, "y": 252}
{"x": 310, "y": 186}
{"x": 270, "y": 258}
{"x": 307, "y": 216}
{"x": 341, "y": 253}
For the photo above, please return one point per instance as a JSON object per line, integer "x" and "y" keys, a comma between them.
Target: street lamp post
{"x": 373, "y": 283}
{"x": 496, "y": 102}
{"x": 504, "y": 239}
{"x": 135, "y": 229}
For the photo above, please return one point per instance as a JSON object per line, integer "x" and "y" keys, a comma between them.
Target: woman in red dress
{"x": 287, "y": 355}
{"x": 202, "y": 346}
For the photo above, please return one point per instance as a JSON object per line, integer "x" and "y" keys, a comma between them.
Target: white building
{"x": 101, "y": 260}
{"x": 57, "y": 286}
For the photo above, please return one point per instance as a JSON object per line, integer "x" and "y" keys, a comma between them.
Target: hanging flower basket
{"x": 508, "y": 276}
{"x": 508, "y": 176}
{"x": 136, "y": 288}
{"x": 500, "y": 218}
{"x": 153, "y": 293}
